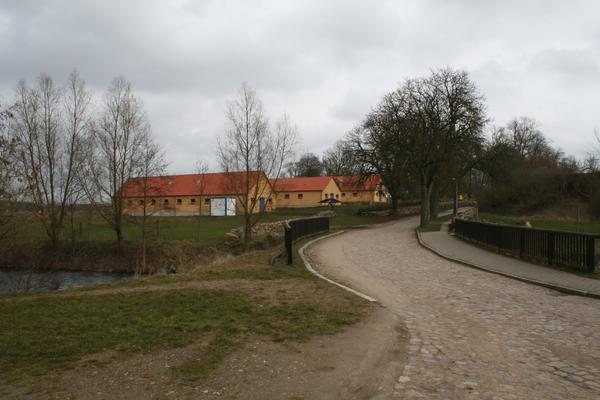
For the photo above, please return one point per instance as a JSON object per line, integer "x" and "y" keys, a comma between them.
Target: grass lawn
{"x": 43, "y": 333}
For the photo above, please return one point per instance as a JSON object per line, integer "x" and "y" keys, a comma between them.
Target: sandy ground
{"x": 473, "y": 335}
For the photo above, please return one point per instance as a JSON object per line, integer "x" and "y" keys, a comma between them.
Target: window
{"x": 153, "y": 201}
{"x": 193, "y": 200}
{"x": 166, "y": 201}
{"x": 141, "y": 202}
{"x": 355, "y": 194}
{"x": 300, "y": 195}
{"x": 286, "y": 196}
{"x": 207, "y": 200}
{"x": 178, "y": 201}
{"x": 337, "y": 196}
{"x": 331, "y": 195}
{"x": 343, "y": 194}
{"x": 270, "y": 200}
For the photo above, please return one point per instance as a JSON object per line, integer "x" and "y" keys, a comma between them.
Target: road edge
{"x": 562, "y": 289}
{"x": 310, "y": 268}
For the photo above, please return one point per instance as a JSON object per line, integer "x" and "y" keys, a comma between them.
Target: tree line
{"x": 433, "y": 132}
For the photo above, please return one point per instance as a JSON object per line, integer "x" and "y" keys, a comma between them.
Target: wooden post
{"x": 288, "y": 244}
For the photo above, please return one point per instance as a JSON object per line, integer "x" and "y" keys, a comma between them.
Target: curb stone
{"x": 309, "y": 267}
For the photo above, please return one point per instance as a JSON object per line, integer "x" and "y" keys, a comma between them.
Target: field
{"x": 90, "y": 227}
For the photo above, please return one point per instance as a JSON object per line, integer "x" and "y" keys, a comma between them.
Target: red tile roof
{"x": 357, "y": 183}
{"x": 302, "y": 184}
{"x": 216, "y": 184}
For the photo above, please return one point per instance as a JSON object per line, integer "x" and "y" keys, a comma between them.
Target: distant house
{"x": 217, "y": 194}
{"x": 305, "y": 191}
{"x": 361, "y": 189}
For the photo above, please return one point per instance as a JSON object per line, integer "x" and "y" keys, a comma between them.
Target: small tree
{"x": 49, "y": 126}
{"x": 201, "y": 169}
{"x": 152, "y": 163}
{"x": 117, "y": 147}
{"x": 250, "y": 151}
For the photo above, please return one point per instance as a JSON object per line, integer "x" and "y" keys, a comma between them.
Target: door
{"x": 230, "y": 206}
{"x": 261, "y": 204}
{"x": 217, "y": 207}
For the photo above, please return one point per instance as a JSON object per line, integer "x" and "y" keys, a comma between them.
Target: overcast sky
{"x": 325, "y": 63}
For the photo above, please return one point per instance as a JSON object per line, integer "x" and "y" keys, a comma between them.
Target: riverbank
{"x": 161, "y": 257}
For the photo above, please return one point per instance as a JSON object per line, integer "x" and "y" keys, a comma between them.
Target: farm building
{"x": 360, "y": 189}
{"x": 305, "y": 191}
{"x": 217, "y": 194}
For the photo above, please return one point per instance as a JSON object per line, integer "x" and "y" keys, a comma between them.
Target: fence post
{"x": 591, "y": 254}
{"x": 521, "y": 242}
{"x": 551, "y": 247}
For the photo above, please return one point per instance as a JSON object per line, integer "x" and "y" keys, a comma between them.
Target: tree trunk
{"x": 394, "y": 200}
{"x": 119, "y": 234}
{"x": 434, "y": 203}
{"x": 247, "y": 228}
{"x": 143, "y": 269}
{"x": 426, "y": 190}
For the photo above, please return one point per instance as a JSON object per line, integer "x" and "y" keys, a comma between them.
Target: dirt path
{"x": 473, "y": 335}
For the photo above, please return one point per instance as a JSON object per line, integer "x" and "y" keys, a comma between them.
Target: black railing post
{"x": 521, "y": 242}
{"x": 591, "y": 254}
{"x": 551, "y": 243}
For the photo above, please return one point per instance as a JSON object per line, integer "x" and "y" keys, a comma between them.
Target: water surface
{"x": 13, "y": 280}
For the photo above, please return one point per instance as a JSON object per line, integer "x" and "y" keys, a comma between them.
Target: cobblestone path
{"x": 474, "y": 335}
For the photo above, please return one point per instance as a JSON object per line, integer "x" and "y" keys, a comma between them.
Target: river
{"x": 13, "y": 280}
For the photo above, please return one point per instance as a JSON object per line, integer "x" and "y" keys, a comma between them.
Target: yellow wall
{"x": 363, "y": 196}
{"x": 202, "y": 203}
{"x": 309, "y": 198}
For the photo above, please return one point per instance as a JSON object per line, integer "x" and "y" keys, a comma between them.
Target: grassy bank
{"x": 570, "y": 225}
{"x": 213, "y": 309}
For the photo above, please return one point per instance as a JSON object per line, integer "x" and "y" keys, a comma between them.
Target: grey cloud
{"x": 325, "y": 63}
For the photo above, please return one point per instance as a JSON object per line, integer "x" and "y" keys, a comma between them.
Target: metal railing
{"x": 569, "y": 249}
{"x": 298, "y": 228}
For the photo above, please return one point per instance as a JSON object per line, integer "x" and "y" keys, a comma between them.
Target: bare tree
{"x": 117, "y": 150}
{"x": 152, "y": 163}
{"x": 446, "y": 113}
{"x": 250, "y": 152}
{"x": 49, "y": 126}
{"x": 8, "y": 148}
{"x": 420, "y": 131}
{"x": 341, "y": 160}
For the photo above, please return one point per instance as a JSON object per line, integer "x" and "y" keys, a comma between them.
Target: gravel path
{"x": 473, "y": 335}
